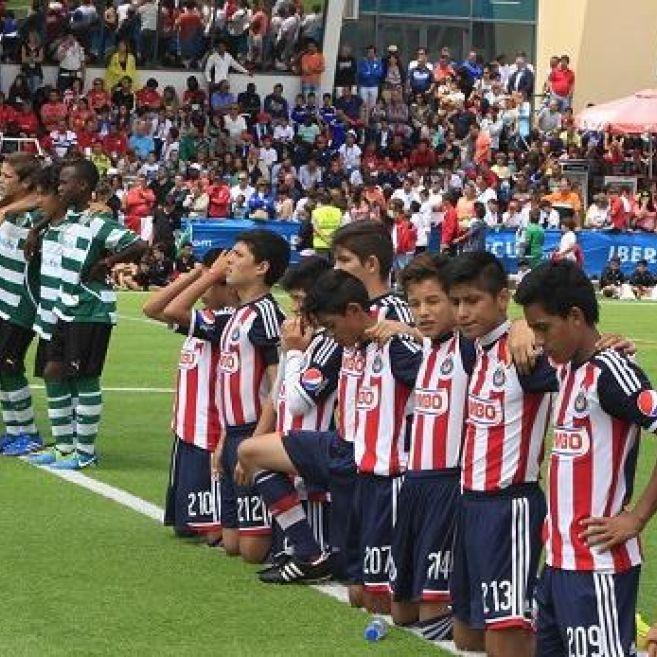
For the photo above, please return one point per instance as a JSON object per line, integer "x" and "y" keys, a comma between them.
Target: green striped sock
{"x": 60, "y": 414}
{"x": 19, "y": 398}
{"x": 88, "y": 410}
{"x": 11, "y": 428}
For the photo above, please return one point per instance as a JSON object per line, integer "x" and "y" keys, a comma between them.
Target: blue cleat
{"x": 6, "y": 440}
{"x": 75, "y": 461}
{"x": 24, "y": 444}
{"x": 44, "y": 458}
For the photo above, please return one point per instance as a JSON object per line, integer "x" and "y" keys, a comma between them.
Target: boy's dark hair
{"x": 333, "y": 292}
{"x": 415, "y": 206}
{"x": 85, "y": 171}
{"x": 557, "y": 287}
{"x": 304, "y": 275}
{"x": 209, "y": 256}
{"x": 481, "y": 268}
{"x": 425, "y": 267}
{"x": 266, "y": 245}
{"x": 366, "y": 239}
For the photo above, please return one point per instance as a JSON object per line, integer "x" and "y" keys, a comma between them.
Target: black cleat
{"x": 294, "y": 571}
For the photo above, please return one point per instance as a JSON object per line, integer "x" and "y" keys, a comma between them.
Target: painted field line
{"x": 39, "y": 386}
{"x": 154, "y": 512}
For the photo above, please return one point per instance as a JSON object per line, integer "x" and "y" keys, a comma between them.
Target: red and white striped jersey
{"x": 507, "y": 418}
{"x": 388, "y": 306}
{"x": 384, "y": 406}
{"x": 307, "y": 388}
{"x": 600, "y": 410}
{"x": 196, "y": 417}
{"x": 440, "y": 403}
{"x": 248, "y": 345}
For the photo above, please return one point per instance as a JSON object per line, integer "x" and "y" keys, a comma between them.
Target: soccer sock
{"x": 18, "y": 399}
{"x": 285, "y": 506}
{"x": 438, "y": 628}
{"x": 87, "y": 413}
{"x": 8, "y": 415}
{"x": 60, "y": 414}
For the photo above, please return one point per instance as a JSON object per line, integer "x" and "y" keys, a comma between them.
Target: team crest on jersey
{"x": 312, "y": 380}
{"x": 499, "y": 377}
{"x": 647, "y": 403}
{"x": 377, "y": 365}
{"x": 581, "y": 404}
{"x": 447, "y": 367}
{"x": 235, "y": 335}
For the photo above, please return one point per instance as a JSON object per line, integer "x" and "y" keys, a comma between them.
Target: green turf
{"x": 119, "y": 584}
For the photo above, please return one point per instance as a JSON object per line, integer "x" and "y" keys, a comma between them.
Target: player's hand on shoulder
{"x": 296, "y": 334}
{"x": 386, "y": 329}
{"x": 606, "y": 533}
{"x": 616, "y": 342}
{"x": 522, "y": 347}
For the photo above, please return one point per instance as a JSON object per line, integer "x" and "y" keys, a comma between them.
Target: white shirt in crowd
{"x": 568, "y": 240}
{"x": 235, "y": 126}
{"x": 489, "y": 194}
{"x": 422, "y": 225}
{"x": 284, "y": 133}
{"x": 269, "y": 156}
{"x": 350, "y": 155}
{"x": 222, "y": 65}
{"x": 515, "y": 220}
{"x": 596, "y": 216}
{"x": 405, "y": 197}
{"x": 148, "y": 15}
{"x": 237, "y": 190}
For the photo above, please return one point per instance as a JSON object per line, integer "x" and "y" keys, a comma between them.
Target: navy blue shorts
{"x": 193, "y": 501}
{"x": 370, "y": 532}
{"x": 325, "y": 461}
{"x": 586, "y": 613}
{"x": 241, "y": 506}
{"x": 496, "y": 555}
{"x": 423, "y": 540}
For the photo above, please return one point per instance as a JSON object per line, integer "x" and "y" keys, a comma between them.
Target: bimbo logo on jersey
{"x": 188, "y": 359}
{"x": 485, "y": 411}
{"x": 229, "y": 362}
{"x": 368, "y": 399}
{"x": 570, "y": 443}
{"x": 431, "y": 402}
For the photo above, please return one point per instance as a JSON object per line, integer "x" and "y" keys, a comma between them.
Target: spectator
{"x": 166, "y": 220}
{"x": 276, "y": 106}
{"x": 346, "y": 70}
{"x": 474, "y": 238}
{"x": 141, "y": 142}
{"x": 71, "y": 57}
{"x": 98, "y": 97}
{"x": 185, "y": 261}
{"x": 189, "y": 27}
{"x": 564, "y": 199}
{"x": 646, "y": 212}
{"x": 147, "y": 12}
{"x": 597, "y": 216}
{"x": 31, "y": 61}
{"x": 53, "y": 111}
{"x": 138, "y": 204}
{"x": 261, "y": 202}
{"x": 549, "y": 119}
{"x": 534, "y": 239}
{"x": 562, "y": 83}
{"x": 420, "y": 76}
{"x": 568, "y": 247}
{"x": 197, "y": 201}
{"x": 450, "y": 233}
{"x": 258, "y": 29}
{"x": 219, "y": 198}
{"x": 522, "y": 79}
{"x": 326, "y": 219}
{"x": 219, "y": 64}
{"x": 370, "y": 77}
{"x": 121, "y": 65}
{"x": 642, "y": 281}
{"x": 612, "y": 279}
{"x": 312, "y": 67}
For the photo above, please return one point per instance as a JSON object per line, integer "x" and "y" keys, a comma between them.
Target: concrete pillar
{"x": 332, "y": 30}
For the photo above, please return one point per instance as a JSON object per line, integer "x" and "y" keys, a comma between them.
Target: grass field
{"x": 82, "y": 576}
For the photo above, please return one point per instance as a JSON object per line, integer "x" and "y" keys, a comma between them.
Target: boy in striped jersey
{"x": 18, "y": 293}
{"x": 193, "y": 501}
{"x": 588, "y": 589}
{"x": 75, "y": 315}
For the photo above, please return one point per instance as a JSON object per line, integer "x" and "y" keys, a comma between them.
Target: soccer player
{"x": 502, "y": 507}
{"x": 76, "y": 313}
{"x": 588, "y": 589}
{"x": 248, "y": 365}
{"x": 364, "y": 249}
{"x": 18, "y": 291}
{"x": 192, "y": 500}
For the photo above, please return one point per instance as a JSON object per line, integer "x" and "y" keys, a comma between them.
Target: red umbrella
{"x": 635, "y": 114}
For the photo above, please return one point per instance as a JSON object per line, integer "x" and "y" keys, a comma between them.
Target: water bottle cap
{"x": 371, "y": 633}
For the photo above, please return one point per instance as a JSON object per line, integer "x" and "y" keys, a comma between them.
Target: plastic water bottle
{"x": 376, "y": 629}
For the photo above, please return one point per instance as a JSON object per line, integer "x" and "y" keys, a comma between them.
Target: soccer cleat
{"x": 24, "y": 444}
{"x": 6, "y": 440}
{"x": 75, "y": 461}
{"x": 47, "y": 457}
{"x": 294, "y": 571}
{"x": 276, "y": 561}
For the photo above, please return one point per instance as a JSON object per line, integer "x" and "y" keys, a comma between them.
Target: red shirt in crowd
{"x": 450, "y": 227}
{"x": 219, "y": 205}
{"x": 422, "y": 158}
{"x": 149, "y": 98}
{"x": 98, "y": 98}
{"x": 27, "y": 122}
{"x": 116, "y": 143}
{"x": 406, "y": 235}
{"x": 562, "y": 81}
{"x": 617, "y": 213}
{"x": 52, "y": 113}
{"x": 139, "y": 203}
{"x": 7, "y": 115}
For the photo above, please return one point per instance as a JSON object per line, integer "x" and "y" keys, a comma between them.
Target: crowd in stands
{"x": 261, "y": 34}
{"x": 432, "y": 146}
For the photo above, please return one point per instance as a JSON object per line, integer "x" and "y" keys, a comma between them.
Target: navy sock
{"x": 285, "y": 506}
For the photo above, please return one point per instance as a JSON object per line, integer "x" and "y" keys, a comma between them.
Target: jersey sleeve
{"x": 312, "y": 376}
{"x": 397, "y": 310}
{"x": 625, "y": 392}
{"x": 543, "y": 378}
{"x": 405, "y": 359}
{"x": 265, "y": 331}
{"x": 468, "y": 353}
{"x": 208, "y": 324}
{"x": 114, "y": 237}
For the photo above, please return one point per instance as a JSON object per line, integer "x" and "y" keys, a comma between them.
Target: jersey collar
{"x": 491, "y": 338}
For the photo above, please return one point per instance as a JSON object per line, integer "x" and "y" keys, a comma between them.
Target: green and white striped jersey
{"x": 69, "y": 250}
{"x": 19, "y": 278}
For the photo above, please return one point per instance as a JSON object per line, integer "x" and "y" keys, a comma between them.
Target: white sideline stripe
{"x": 143, "y": 320}
{"x": 104, "y": 389}
{"x": 154, "y": 512}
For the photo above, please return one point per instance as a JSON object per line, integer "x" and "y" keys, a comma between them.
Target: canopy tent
{"x": 632, "y": 115}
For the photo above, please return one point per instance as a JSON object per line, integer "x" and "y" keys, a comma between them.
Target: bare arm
{"x": 28, "y": 202}
{"x": 159, "y": 300}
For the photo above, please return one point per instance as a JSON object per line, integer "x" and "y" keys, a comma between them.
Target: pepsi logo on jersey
{"x": 647, "y": 403}
{"x": 570, "y": 443}
{"x": 485, "y": 411}
{"x": 312, "y": 380}
{"x": 431, "y": 402}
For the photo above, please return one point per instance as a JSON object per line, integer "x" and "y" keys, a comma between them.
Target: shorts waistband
{"x": 241, "y": 430}
{"x": 447, "y": 473}
{"x": 375, "y": 477}
{"x": 515, "y": 490}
